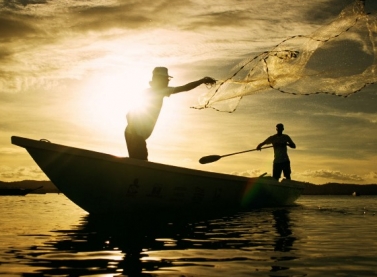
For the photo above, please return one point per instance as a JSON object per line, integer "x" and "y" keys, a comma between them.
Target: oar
{"x": 214, "y": 158}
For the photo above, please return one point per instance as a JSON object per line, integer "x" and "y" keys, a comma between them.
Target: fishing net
{"x": 338, "y": 59}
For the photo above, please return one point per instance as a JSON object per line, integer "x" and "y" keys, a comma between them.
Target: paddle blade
{"x": 209, "y": 159}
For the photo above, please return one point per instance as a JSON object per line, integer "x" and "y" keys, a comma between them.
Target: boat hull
{"x": 101, "y": 184}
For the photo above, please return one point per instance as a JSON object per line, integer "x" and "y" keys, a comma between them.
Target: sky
{"x": 70, "y": 69}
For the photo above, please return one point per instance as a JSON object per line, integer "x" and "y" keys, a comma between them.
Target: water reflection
{"x": 140, "y": 246}
{"x": 285, "y": 240}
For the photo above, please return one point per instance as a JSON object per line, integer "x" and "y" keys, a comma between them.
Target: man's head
{"x": 161, "y": 71}
{"x": 160, "y": 77}
{"x": 279, "y": 127}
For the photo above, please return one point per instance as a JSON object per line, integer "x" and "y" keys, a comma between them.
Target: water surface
{"x": 47, "y": 235}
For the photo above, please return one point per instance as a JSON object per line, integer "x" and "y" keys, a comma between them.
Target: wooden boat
{"x": 101, "y": 183}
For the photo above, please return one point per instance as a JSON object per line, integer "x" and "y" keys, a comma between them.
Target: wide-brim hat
{"x": 161, "y": 71}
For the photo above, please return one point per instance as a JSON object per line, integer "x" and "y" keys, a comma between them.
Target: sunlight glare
{"x": 106, "y": 99}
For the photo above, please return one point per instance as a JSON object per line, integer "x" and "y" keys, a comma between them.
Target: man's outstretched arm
{"x": 192, "y": 85}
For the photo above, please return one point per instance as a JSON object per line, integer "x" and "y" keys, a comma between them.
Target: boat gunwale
{"x": 50, "y": 146}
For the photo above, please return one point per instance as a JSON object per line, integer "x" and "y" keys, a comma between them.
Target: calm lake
{"x": 47, "y": 235}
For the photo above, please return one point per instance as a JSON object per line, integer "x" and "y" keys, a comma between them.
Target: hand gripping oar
{"x": 214, "y": 158}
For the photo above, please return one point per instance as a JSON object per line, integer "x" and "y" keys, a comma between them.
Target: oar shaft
{"x": 214, "y": 158}
{"x": 235, "y": 153}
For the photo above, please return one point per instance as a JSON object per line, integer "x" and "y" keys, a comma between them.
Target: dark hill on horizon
{"x": 340, "y": 189}
{"x": 310, "y": 189}
{"x": 48, "y": 186}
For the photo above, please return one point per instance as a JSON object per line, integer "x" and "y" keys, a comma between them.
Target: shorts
{"x": 284, "y": 167}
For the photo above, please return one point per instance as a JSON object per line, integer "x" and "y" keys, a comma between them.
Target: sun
{"x": 105, "y": 99}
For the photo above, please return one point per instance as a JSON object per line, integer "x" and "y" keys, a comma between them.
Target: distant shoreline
{"x": 340, "y": 189}
{"x": 310, "y": 189}
{"x": 47, "y": 186}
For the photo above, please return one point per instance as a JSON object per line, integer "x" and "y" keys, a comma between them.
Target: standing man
{"x": 141, "y": 121}
{"x": 281, "y": 162}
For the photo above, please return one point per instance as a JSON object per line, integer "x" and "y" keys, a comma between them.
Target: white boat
{"x": 105, "y": 184}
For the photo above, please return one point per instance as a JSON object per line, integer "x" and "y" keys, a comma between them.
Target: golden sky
{"x": 69, "y": 70}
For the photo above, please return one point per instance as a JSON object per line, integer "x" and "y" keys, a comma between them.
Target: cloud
{"x": 325, "y": 10}
{"x": 232, "y": 18}
{"x": 21, "y": 173}
{"x": 47, "y": 43}
{"x": 248, "y": 173}
{"x": 332, "y": 175}
{"x": 371, "y": 176}
{"x": 369, "y": 117}
{"x": 102, "y": 18}
{"x": 15, "y": 4}
{"x": 11, "y": 27}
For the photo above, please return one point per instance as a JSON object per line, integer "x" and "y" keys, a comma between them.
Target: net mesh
{"x": 338, "y": 58}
